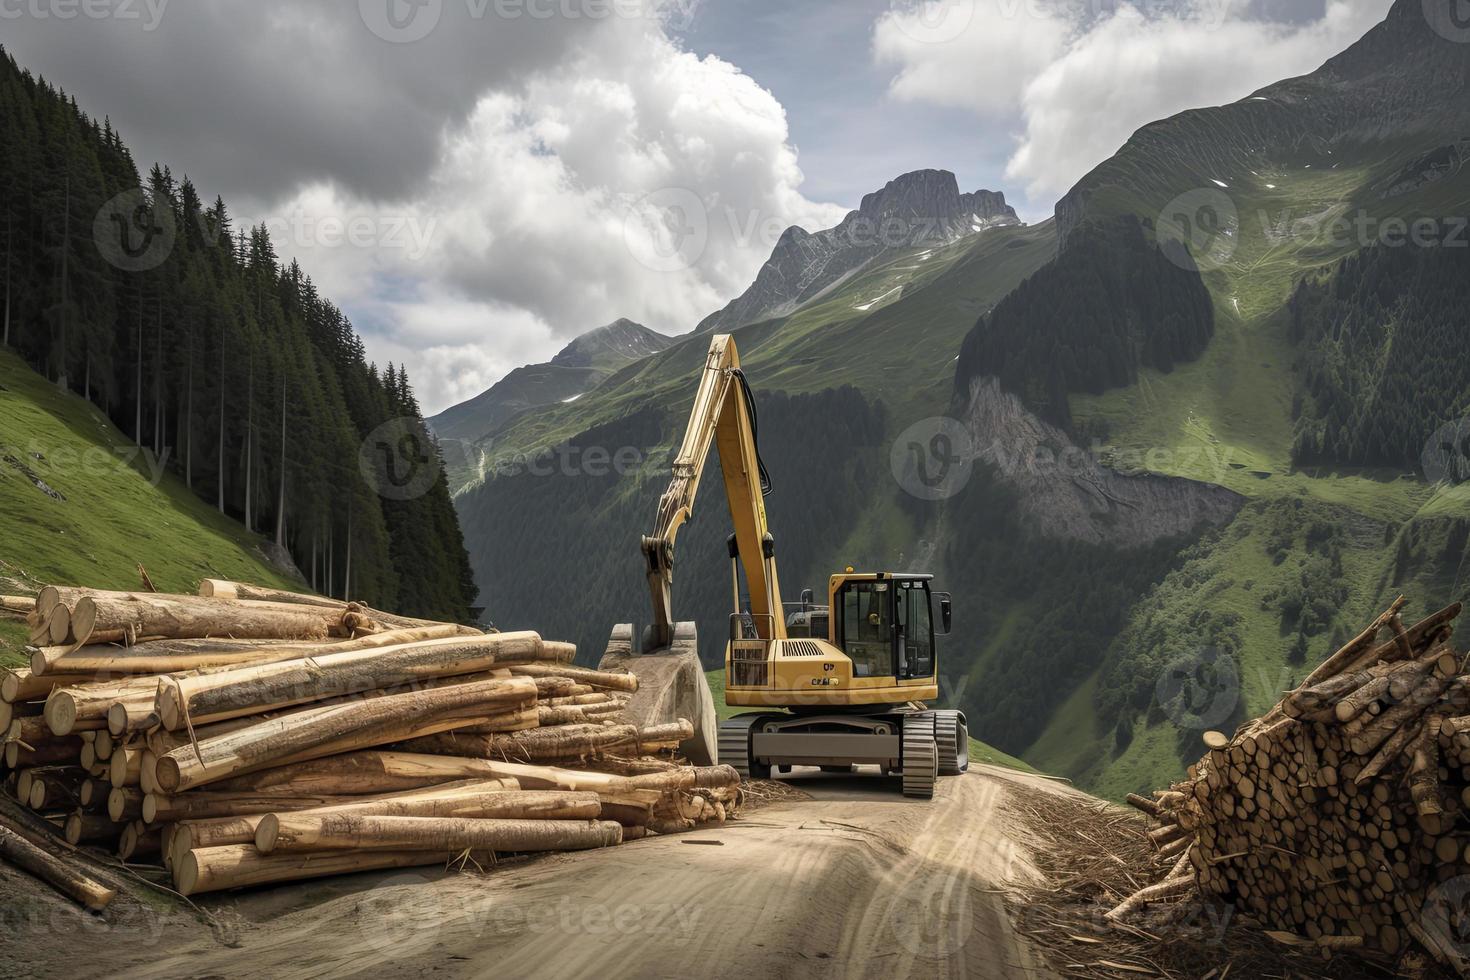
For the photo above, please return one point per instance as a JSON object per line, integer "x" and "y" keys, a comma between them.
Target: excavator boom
{"x": 723, "y": 414}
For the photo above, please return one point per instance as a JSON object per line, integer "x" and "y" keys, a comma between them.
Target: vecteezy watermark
{"x": 134, "y": 235}
{"x": 667, "y": 230}
{"x": 566, "y": 459}
{"x": 409, "y": 233}
{"x": 1200, "y": 229}
{"x": 407, "y": 21}
{"x": 401, "y": 21}
{"x": 1446, "y": 915}
{"x": 1450, "y": 19}
{"x": 1335, "y": 228}
{"x": 147, "y": 13}
{"x": 397, "y": 924}
{"x": 399, "y": 460}
{"x": 1446, "y": 456}
{"x": 1200, "y": 690}
{"x": 933, "y": 458}
{"x": 92, "y": 465}
{"x": 937, "y": 21}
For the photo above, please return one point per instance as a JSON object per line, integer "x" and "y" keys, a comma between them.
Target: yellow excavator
{"x": 835, "y": 687}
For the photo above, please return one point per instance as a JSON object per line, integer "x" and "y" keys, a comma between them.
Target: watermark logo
{"x": 933, "y": 458}
{"x": 1200, "y": 229}
{"x": 132, "y": 234}
{"x": 1449, "y": 18}
{"x": 667, "y": 230}
{"x": 1446, "y": 456}
{"x": 1446, "y": 915}
{"x": 933, "y": 21}
{"x": 1200, "y": 690}
{"x": 396, "y": 925}
{"x": 148, "y": 12}
{"x": 399, "y": 460}
{"x": 936, "y": 923}
{"x": 401, "y": 21}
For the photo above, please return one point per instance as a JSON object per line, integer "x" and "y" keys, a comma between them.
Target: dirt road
{"x": 856, "y": 882}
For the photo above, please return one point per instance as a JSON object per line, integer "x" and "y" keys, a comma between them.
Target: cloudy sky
{"x": 478, "y": 181}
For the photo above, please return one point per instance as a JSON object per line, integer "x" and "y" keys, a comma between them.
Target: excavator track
{"x": 920, "y": 755}
{"x": 953, "y": 737}
{"x": 735, "y": 747}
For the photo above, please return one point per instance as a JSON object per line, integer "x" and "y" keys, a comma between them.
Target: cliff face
{"x": 923, "y": 208}
{"x": 1066, "y": 492}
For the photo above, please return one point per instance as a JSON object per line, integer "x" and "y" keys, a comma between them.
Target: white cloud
{"x": 1080, "y": 78}
{"x": 542, "y": 215}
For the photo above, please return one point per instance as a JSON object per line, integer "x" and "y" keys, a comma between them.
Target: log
{"x": 57, "y": 873}
{"x": 52, "y": 752}
{"x": 58, "y": 624}
{"x": 89, "y": 828}
{"x": 155, "y": 808}
{"x": 218, "y": 588}
{"x": 380, "y": 619}
{"x": 254, "y": 689}
{"x": 193, "y": 617}
{"x": 302, "y": 830}
{"x": 190, "y": 835}
{"x": 56, "y": 787}
{"x": 84, "y": 707}
{"x": 357, "y": 774}
{"x": 128, "y": 716}
{"x": 352, "y": 831}
{"x": 126, "y": 767}
{"x": 213, "y": 869}
{"x": 125, "y": 804}
{"x": 161, "y": 656}
{"x": 139, "y": 842}
{"x": 600, "y": 679}
{"x": 18, "y": 604}
{"x": 320, "y": 732}
{"x": 20, "y": 684}
{"x": 1350, "y": 652}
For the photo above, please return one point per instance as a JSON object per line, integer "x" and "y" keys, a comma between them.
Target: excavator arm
{"x": 723, "y": 415}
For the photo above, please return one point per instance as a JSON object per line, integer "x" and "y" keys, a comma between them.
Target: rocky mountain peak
{"x": 621, "y": 340}
{"x": 916, "y": 210}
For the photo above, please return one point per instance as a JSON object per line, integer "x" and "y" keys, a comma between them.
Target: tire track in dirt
{"x": 834, "y": 887}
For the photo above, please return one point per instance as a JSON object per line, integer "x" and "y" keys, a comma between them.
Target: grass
{"x": 117, "y": 508}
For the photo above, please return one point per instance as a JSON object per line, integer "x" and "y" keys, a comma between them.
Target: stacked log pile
{"x": 1337, "y": 819}
{"x": 246, "y": 736}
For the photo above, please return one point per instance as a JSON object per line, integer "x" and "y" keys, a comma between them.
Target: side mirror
{"x": 946, "y": 612}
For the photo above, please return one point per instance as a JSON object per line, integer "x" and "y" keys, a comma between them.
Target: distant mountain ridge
{"x": 920, "y": 209}
{"x": 578, "y": 368}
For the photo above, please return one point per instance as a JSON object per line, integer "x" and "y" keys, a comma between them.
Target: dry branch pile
{"x": 1334, "y": 819}
{"x": 247, "y": 736}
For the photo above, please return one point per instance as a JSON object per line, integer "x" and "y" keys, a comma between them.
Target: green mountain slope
{"x": 1325, "y": 376}
{"x": 83, "y": 505}
{"x": 835, "y": 381}
{"x": 467, "y": 431}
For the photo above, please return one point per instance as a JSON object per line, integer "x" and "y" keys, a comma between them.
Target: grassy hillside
{"x": 1322, "y": 548}
{"x": 83, "y": 506}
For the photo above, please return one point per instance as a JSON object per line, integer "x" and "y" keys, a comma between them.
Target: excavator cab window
{"x": 915, "y": 630}
{"x": 867, "y": 627}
